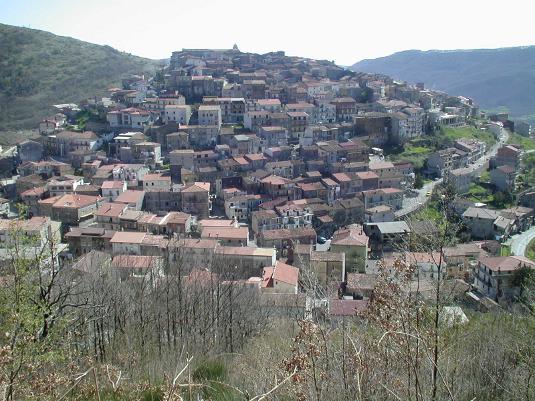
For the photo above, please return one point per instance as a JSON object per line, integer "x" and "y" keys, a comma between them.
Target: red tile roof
{"x": 75, "y": 201}
{"x": 352, "y": 235}
{"x": 366, "y": 175}
{"x": 39, "y": 191}
{"x": 130, "y": 196}
{"x": 275, "y": 180}
{"x": 135, "y": 262}
{"x": 280, "y": 272}
{"x": 285, "y": 233}
{"x": 507, "y": 263}
{"x": 198, "y": 187}
{"x": 112, "y": 185}
{"x": 346, "y": 307}
{"x": 341, "y": 177}
{"x": 156, "y": 177}
{"x": 239, "y": 233}
{"x": 216, "y": 223}
{"x": 33, "y": 224}
{"x": 110, "y": 209}
{"x": 128, "y": 237}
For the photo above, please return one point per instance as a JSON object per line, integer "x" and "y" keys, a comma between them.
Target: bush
{"x": 418, "y": 181}
{"x": 210, "y": 370}
{"x": 152, "y": 395}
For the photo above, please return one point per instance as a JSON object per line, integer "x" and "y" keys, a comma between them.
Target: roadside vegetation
{"x": 483, "y": 192}
{"x": 530, "y": 250}
{"x": 417, "y": 150}
{"x": 524, "y": 142}
{"x": 469, "y": 133}
{"x": 430, "y": 212}
{"x": 527, "y": 174}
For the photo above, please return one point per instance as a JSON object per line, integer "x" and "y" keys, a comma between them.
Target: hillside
{"x": 38, "y": 69}
{"x": 495, "y": 78}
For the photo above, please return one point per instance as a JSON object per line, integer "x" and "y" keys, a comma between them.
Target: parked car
{"x": 322, "y": 240}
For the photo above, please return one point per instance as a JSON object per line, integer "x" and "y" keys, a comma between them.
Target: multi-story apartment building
{"x": 495, "y": 276}
{"x": 129, "y": 118}
{"x": 177, "y": 113}
{"x": 446, "y": 159}
{"x": 210, "y": 115}
{"x": 392, "y": 197}
{"x": 240, "y": 207}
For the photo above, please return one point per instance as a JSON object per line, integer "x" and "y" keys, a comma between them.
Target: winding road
{"x": 520, "y": 242}
{"x": 411, "y": 204}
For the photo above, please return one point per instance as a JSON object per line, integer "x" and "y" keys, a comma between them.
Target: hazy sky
{"x": 343, "y": 31}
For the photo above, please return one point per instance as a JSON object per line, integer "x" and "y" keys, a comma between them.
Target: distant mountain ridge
{"x": 39, "y": 69}
{"x": 503, "y": 77}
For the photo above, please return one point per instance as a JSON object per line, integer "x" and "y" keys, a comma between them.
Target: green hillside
{"x": 38, "y": 69}
{"x": 496, "y": 78}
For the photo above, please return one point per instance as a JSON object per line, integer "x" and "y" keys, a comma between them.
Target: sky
{"x": 345, "y": 31}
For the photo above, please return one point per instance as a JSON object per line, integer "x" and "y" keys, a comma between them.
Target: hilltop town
{"x": 281, "y": 167}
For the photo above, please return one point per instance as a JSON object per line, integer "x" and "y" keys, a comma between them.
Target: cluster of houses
{"x": 263, "y": 163}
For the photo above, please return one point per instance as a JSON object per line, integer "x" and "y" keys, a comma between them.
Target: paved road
{"x": 520, "y": 242}
{"x": 323, "y": 247}
{"x": 410, "y": 204}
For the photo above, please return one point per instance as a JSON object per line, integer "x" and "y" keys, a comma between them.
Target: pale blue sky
{"x": 342, "y": 30}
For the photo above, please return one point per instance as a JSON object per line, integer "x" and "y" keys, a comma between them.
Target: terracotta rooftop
{"x": 273, "y": 128}
{"x": 269, "y": 102}
{"x": 198, "y": 187}
{"x": 156, "y": 177}
{"x": 110, "y": 209}
{"x": 284, "y": 233}
{"x": 352, "y": 235}
{"x": 346, "y": 307}
{"x": 275, "y": 180}
{"x": 255, "y": 156}
{"x": 130, "y": 196}
{"x": 131, "y": 215}
{"x": 87, "y": 135}
{"x": 217, "y": 223}
{"x": 313, "y": 186}
{"x": 76, "y": 201}
{"x": 507, "y": 263}
{"x": 177, "y": 217}
{"x": 239, "y": 233}
{"x": 381, "y": 165}
{"x": 327, "y": 256}
{"x": 33, "y": 224}
{"x": 112, "y": 185}
{"x": 366, "y": 175}
{"x": 341, "y": 177}
{"x": 281, "y": 272}
{"x": 359, "y": 281}
{"x": 39, "y": 191}
{"x": 128, "y": 237}
{"x": 194, "y": 243}
{"x": 244, "y": 251}
{"x": 135, "y": 262}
